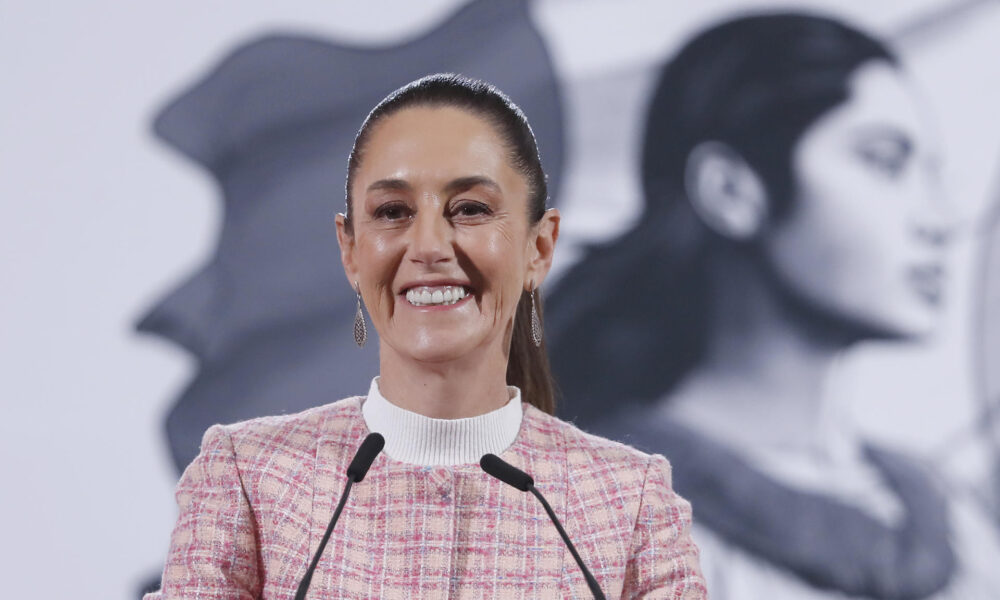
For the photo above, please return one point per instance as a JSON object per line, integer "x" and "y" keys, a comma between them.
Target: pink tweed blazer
{"x": 256, "y": 501}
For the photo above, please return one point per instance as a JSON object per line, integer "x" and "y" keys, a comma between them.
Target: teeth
{"x": 435, "y": 296}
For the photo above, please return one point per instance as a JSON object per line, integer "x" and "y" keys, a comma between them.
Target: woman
{"x": 791, "y": 211}
{"x": 445, "y": 240}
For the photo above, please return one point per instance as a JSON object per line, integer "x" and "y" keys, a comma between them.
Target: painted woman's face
{"x": 442, "y": 246}
{"x": 864, "y": 240}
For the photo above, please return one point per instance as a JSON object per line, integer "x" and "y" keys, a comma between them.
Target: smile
{"x": 436, "y": 295}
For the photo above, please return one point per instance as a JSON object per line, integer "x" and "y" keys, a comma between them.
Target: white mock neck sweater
{"x": 413, "y": 438}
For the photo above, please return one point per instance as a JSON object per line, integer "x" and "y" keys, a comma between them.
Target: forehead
{"x": 881, "y": 98}
{"x": 433, "y": 143}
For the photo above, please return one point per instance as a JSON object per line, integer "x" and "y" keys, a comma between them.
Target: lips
{"x": 928, "y": 281}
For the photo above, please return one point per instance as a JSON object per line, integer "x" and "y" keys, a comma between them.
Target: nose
{"x": 431, "y": 238}
{"x": 935, "y": 219}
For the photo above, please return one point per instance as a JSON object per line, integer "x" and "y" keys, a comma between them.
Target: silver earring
{"x": 360, "y": 329}
{"x": 536, "y": 323}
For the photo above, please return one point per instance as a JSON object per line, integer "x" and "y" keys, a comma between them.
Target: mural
{"x": 792, "y": 211}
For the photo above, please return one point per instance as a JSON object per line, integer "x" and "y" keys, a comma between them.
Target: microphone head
{"x": 364, "y": 457}
{"x": 506, "y": 472}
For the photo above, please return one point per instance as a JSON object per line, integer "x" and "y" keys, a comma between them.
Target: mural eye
{"x": 889, "y": 157}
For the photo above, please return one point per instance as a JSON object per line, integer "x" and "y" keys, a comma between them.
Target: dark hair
{"x": 630, "y": 319}
{"x": 528, "y": 365}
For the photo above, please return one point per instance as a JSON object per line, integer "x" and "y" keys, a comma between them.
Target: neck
{"x": 762, "y": 382}
{"x": 458, "y": 389}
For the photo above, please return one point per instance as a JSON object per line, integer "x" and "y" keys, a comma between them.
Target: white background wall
{"x": 98, "y": 219}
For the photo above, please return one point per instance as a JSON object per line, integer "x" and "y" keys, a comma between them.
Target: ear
{"x": 725, "y": 191}
{"x": 543, "y": 244}
{"x": 345, "y": 239}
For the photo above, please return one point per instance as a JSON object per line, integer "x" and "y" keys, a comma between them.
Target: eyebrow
{"x": 389, "y": 184}
{"x": 465, "y": 183}
{"x": 454, "y": 186}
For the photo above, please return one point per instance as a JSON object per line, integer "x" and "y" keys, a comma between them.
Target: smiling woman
{"x": 445, "y": 239}
{"x": 436, "y": 208}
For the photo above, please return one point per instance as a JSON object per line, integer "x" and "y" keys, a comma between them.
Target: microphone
{"x": 356, "y": 471}
{"x": 364, "y": 458}
{"x": 514, "y": 477}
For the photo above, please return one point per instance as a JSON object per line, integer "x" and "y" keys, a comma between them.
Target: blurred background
{"x": 175, "y": 169}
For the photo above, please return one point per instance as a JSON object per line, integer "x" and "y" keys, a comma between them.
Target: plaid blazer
{"x": 255, "y": 502}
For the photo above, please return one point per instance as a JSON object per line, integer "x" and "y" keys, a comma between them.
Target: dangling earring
{"x": 360, "y": 329}
{"x": 536, "y": 323}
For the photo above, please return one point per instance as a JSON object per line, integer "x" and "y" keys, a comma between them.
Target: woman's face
{"x": 864, "y": 239}
{"x": 442, "y": 246}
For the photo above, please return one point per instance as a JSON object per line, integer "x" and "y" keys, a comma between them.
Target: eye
{"x": 889, "y": 164}
{"x": 392, "y": 211}
{"x": 890, "y": 157}
{"x": 469, "y": 208}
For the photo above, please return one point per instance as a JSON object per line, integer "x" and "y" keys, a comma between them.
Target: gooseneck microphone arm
{"x": 595, "y": 588}
{"x": 514, "y": 477}
{"x": 357, "y": 470}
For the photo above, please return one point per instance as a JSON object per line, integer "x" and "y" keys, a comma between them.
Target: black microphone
{"x": 356, "y": 471}
{"x": 514, "y": 477}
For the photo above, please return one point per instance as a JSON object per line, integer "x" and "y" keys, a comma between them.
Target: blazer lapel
{"x": 538, "y": 451}
{"x": 340, "y": 439}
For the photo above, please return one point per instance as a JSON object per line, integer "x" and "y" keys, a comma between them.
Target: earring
{"x": 536, "y": 323}
{"x": 360, "y": 329}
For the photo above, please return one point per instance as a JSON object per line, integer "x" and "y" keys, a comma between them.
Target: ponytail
{"x": 528, "y": 364}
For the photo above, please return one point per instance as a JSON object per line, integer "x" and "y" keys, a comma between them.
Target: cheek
{"x": 845, "y": 218}
{"x": 378, "y": 258}
{"x": 846, "y": 246}
{"x": 499, "y": 257}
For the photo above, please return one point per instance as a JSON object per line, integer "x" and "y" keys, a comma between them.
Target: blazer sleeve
{"x": 664, "y": 559}
{"x": 213, "y": 548}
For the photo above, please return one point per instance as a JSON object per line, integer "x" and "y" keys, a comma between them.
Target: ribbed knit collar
{"x": 413, "y": 438}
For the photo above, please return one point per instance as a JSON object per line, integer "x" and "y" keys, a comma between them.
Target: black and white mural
{"x": 793, "y": 210}
{"x": 779, "y": 263}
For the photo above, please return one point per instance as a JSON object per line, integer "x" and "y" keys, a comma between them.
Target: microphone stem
{"x": 300, "y": 594}
{"x": 591, "y": 582}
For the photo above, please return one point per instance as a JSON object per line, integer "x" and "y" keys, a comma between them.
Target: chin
{"x": 917, "y": 329}
{"x": 439, "y": 349}
{"x": 914, "y": 323}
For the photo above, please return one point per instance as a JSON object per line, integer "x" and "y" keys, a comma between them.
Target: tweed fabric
{"x": 256, "y": 501}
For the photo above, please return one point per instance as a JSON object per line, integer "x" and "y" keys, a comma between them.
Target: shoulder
{"x": 620, "y": 504}
{"x": 591, "y": 456}
{"x": 582, "y": 446}
{"x": 290, "y": 434}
